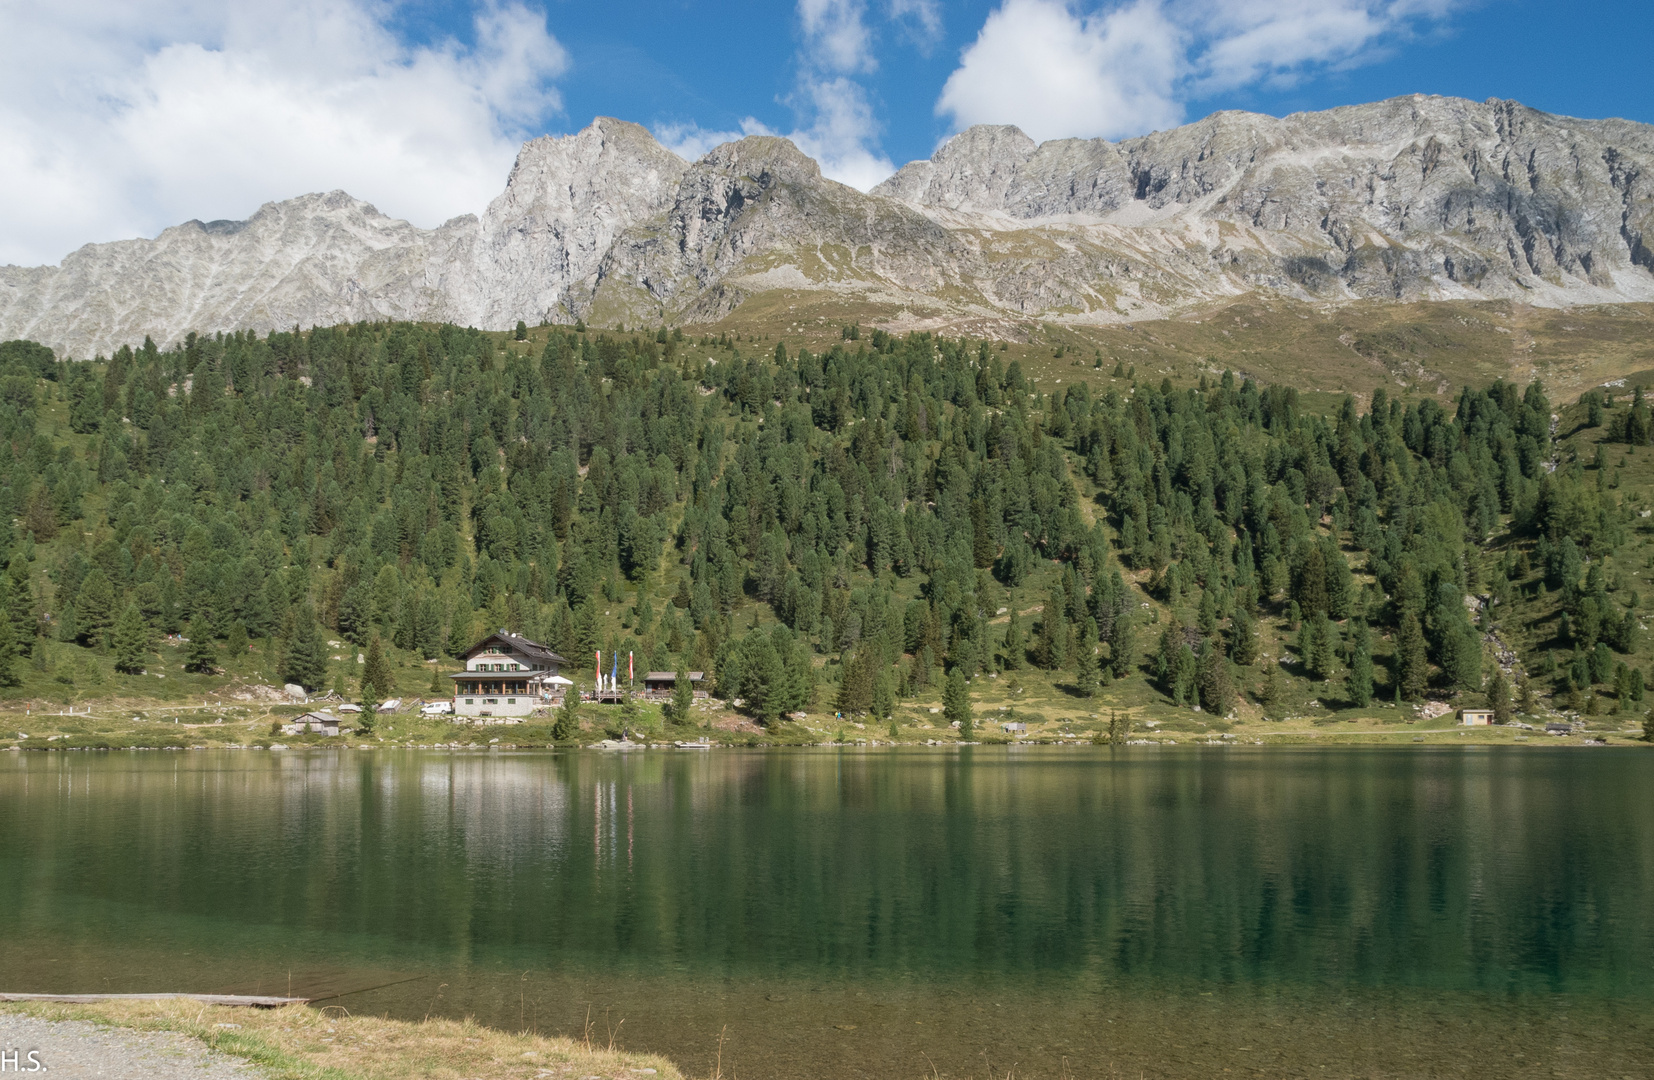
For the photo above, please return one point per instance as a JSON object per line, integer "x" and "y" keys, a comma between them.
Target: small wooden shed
{"x": 663, "y": 682}
{"x": 320, "y": 723}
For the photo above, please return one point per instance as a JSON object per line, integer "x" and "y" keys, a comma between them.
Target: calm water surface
{"x": 869, "y": 913}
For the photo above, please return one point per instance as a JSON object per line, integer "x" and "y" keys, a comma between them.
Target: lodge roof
{"x": 662, "y": 676}
{"x": 531, "y": 649}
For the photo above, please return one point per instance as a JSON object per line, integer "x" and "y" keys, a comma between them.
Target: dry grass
{"x": 302, "y": 1043}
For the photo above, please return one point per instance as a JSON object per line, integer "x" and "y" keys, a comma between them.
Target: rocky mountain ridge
{"x": 1408, "y": 199}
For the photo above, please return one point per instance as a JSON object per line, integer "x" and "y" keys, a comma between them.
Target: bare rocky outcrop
{"x": 1413, "y": 198}
{"x": 545, "y": 238}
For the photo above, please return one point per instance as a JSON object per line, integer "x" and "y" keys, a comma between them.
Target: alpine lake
{"x": 892, "y": 913}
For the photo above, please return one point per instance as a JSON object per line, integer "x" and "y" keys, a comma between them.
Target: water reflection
{"x": 1094, "y": 889}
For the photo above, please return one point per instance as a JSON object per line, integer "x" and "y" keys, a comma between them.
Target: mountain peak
{"x": 1414, "y": 198}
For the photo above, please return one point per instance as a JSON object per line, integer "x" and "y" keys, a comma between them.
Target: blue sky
{"x": 120, "y": 117}
{"x": 714, "y": 64}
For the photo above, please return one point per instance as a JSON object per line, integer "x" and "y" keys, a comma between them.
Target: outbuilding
{"x": 664, "y": 682}
{"x": 1476, "y": 717}
{"x": 320, "y": 723}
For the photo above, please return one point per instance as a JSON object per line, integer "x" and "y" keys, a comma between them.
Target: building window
{"x": 470, "y": 701}
{"x": 491, "y": 701}
{"x": 511, "y": 701}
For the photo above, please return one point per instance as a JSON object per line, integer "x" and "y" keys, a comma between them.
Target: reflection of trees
{"x": 1445, "y": 869}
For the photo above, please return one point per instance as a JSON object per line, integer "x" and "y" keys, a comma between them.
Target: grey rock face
{"x": 1413, "y": 198}
{"x": 315, "y": 260}
{"x": 1416, "y": 197}
{"x": 566, "y": 201}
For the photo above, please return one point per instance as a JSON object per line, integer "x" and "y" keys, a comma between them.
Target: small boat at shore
{"x": 697, "y": 744}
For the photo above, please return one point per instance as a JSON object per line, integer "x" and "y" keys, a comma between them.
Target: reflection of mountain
{"x": 1412, "y": 198}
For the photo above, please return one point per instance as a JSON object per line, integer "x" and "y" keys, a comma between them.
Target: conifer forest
{"x": 856, "y": 531}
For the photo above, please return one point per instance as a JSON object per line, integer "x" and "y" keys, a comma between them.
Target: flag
{"x": 599, "y": 685}
{"x": 631, "y": 676}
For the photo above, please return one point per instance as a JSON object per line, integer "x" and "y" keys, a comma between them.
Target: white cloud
{"x": 922, "y": 20}
{"x": 691, "y": 142}
{"x": 838, "y": 137}
{"x": 1252, "y": 41}
{"x": 120, "y": 118}
{"x": 1058, "y": 71}
{"x": 837, "y": 125}
{"x": 836, "y": 35}
{"x": 1055, "y": 73}
{"x": 843, "y": 132}
{"x": 834, "y": 118}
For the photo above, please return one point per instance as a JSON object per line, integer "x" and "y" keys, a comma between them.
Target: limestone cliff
{"x": 1413, "y": 198}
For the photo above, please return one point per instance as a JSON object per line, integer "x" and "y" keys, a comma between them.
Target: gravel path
{"x": 65, "y": 1049}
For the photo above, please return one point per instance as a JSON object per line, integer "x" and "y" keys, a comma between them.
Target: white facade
{"x": 505, "y": 676}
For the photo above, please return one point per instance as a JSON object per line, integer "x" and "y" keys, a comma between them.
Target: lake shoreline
{"x": 301, "y": 1040}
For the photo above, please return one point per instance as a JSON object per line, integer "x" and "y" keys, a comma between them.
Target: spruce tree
{"x": 1269, "y": 694}
{"x": 683, "y": 697}
{"x": 855, "y": 691}
{"x": 1358, "y": 685}
{"x": 129, "y": 641}
{"x": 235, "y": 642}
{"x": 1498, "y": 698}
{"x": 884, "y": 694}
{"x": 1217, "y": 689}
{"x": 20, "y": 605}
{"x": 1085, "y": 670}
{"x": 377, "y": 678}
{"x": 956, "y": 705}
{"x": 95, "y": 607}
{"x": 1322, "y": 648}
{"x": 1412, "y": 666}
{"x": 1243, "y": 637}
{"x": 304, "y": 653}
{"x": 1123, "y": 646}
{"x": 1171, "y": 639}
{"x": 8, "y": 657}
{"x": 568, "y": 717}
{"x": 1051, "y": 647}
{"x": 1185, "y": 677}
{"x": 1014, "y": 645}
{"x": 68, "y": 624}
{"x": 1208, "y": 614}
{"x": 202, "y": 655}
{"x": 1525, "y": 702}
